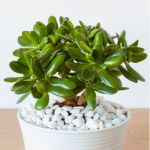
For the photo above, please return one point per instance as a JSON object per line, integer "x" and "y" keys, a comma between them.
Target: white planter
{"x": 38, "y": 138}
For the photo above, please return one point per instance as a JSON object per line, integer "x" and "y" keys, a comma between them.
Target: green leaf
{"x": 127, "y": 74}
{"x": 19, "y": 52}
{"x": 109, "y": 79}
{"x": 103, "y": 88}
{"x": 84, "y": 28}
{"x": 52, "y": 19}
{"x": 134, "y": 73}
{"x": 59, "y": 91}
{"x": 63, "y": 82}
{"x": 122, "y": 39}
{"x": 55, "y": 64}
{"x": 42, "y": 86}
{"x": 134, "y": 49}
{"x": 43, "y": 102}
{"x": 23, "y": 97}
{"x": 22, "y": 87}
{"x": 29, "y": 39}
{"x": 18, "y": 67}
{"x": 135, "y": 58}
{"x": 28, "y": 59}
{"x": 107, "y": 38}
{"x": 113, "y": 61}
{"x": 87, "y": 74}
{"x": 92, "y": 33}
{"x": 40, "y": 29}
{"x": 76, "y": 53}
{"x": 91, "y": 98}
{"x": 134, "y": 43}
{"x": 37, "y": 68}
{"x": 11, "y": 79}
{"x": 35, "y": 93}
{"x": 110, "y": 48}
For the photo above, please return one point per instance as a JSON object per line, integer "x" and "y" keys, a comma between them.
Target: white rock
{"x": 92, "y": 124}
{"x": 96, "y": 117}
{"x": 78, "y": 122}
{"x": 103, "y": 117}
{"x": 56, "y": 118}
{"x": 116, "y": 121}
{"x": 24, "y": 113}
{"x": 38, "y": 121}
{"x": 67, "y": 108}
{"x": 89, "y": 114}
{"x": 54, "y": 107}
{"x": 71, "y": 126}
{"x": 58, "y": 111}
{"x": 30, "y": 108}
{"x": 108, "y": 125}
{"x": 65, "y": 127}
{"x": 48, "y": 111}
{"x": 69, "y": 119}
{"x": 99, "y": 110}
{"x": 45, "y": 120}
{"x": 75, "y": 111}
{"x": 86, "y": 109}
{"x": 64, "y": 114}
{"x": 107, "y": 106}
{"x": 119, "y": 112}
{"x": 101, "y": 125}
{"x": 83, "y": 128}
{"x": 40, "y": 113}
{"x": 60, "y": 124}
{"x": 28, "y": 119}
{"x": 122, "y": 117}
{"x": 52, "y": 125}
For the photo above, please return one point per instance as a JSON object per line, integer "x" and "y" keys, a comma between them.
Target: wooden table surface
{"x": 137, "y": 137}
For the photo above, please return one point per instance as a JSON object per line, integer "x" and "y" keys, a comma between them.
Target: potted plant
{"x": 73, "y": 63}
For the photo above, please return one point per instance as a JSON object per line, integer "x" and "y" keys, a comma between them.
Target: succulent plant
{"x": 66, "y": 60}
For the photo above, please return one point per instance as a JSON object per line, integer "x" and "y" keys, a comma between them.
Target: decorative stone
{"x": 52, "y": 125}
{"x": 64, "y": 114}
{"x": 78, "y": 122}
{"x": 56, "y": 118}
{"x": 92, "y": 124}
{"x": 48, "y": 111}
{"x": 89, "y": 114}
{"x": 66, "y": 108}
{"x": 58, "y": 111}
{"x": 69, "y": 119}
{"x": 96, "y": 116}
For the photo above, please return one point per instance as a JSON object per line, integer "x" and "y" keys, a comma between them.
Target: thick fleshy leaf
{"x": 109, "y": 79}
{"x": 63, "y": 82}
{"x": 91, "y": 98}
{"x": 11, "y": 79}
{"x": 40, "y": 29}
{"x": 37, "y": 68}
{"x": 134, "y": 49}
{"x": 87, "y": 74}
{"x": 28, "y": 59}
{"x": 22, "y": 87}
{"x": 122, "y": 39}
{"x": 134, "y": 73}
{"x": 127, "y": 74}
{"x": 18, "y": 67}
{"x": 113, "y": 61}
{"x": 35, "y": 93}
{"x": 42, "y": 86}
{"x": 42, "y": 102}
{"x": 110, "y": 48}
{"x": 59, "y": 91}
{"x": 134, "y": 43}
{"x": 23, "y": 97}
{"x": 52, "y": 19}
{"x": 29, "y": 39}
{"x": 76, "y": 54}
{"x": 19, "y": 52}
{"x": 135, "y": 58}
{"x": 84, "y": 28}
{"x": 103, "y": 88}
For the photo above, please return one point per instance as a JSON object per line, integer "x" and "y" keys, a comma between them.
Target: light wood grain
{"x": 137, "y": 137}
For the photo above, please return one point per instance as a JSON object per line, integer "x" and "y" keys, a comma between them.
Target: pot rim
{"x": 77, "y": 132}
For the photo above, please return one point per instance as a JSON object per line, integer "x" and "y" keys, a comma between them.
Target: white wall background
{"x": 114, "y": 15}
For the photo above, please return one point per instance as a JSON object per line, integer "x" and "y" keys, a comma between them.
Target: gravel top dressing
{"x": 77, "y": 118}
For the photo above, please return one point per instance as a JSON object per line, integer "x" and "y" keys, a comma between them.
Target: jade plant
{"x": 73, "y": 62}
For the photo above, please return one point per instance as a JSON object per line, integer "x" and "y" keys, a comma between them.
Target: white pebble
{"x": 40, "y": 113}
{"x": 28, "y": 119}
{"x": 60, "y": 124}
{"x": 52, "y": 125}
{"x": 67, "y": 108}
{"x": 65, "y": 127}
{"x": 101, "y": 125}
{"x": 116, "y": 121}
{"x": 92, "y": 124}
{"x": 108, "y": 125}
{"x": 45, "y": 120}
{"x": 99, "y": 110}
{"x": 78, "y": 122}
{"x": 122, "y": 117}
{"x": 54, "y": 107}
{"x": 64, "y": 114}
{"x": 103, "y": 117}
{"x": 48, "y": 111}
{"x": 56, "y": 118}
{"x": 69, "y": 119}
{"x": 75, "y": 111}
{"x": 24, "y": 113}
{"x": 119, "y": 112}
{"x": 58, "y": 111}
{"x": 38, "y": 121}
{"x": 96, "y": 117}
{"x": 89, "y": 114}
{"x": 71, "y": 127}
{"x": 107, "y": 106}
{"x": 83, "y": 128}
